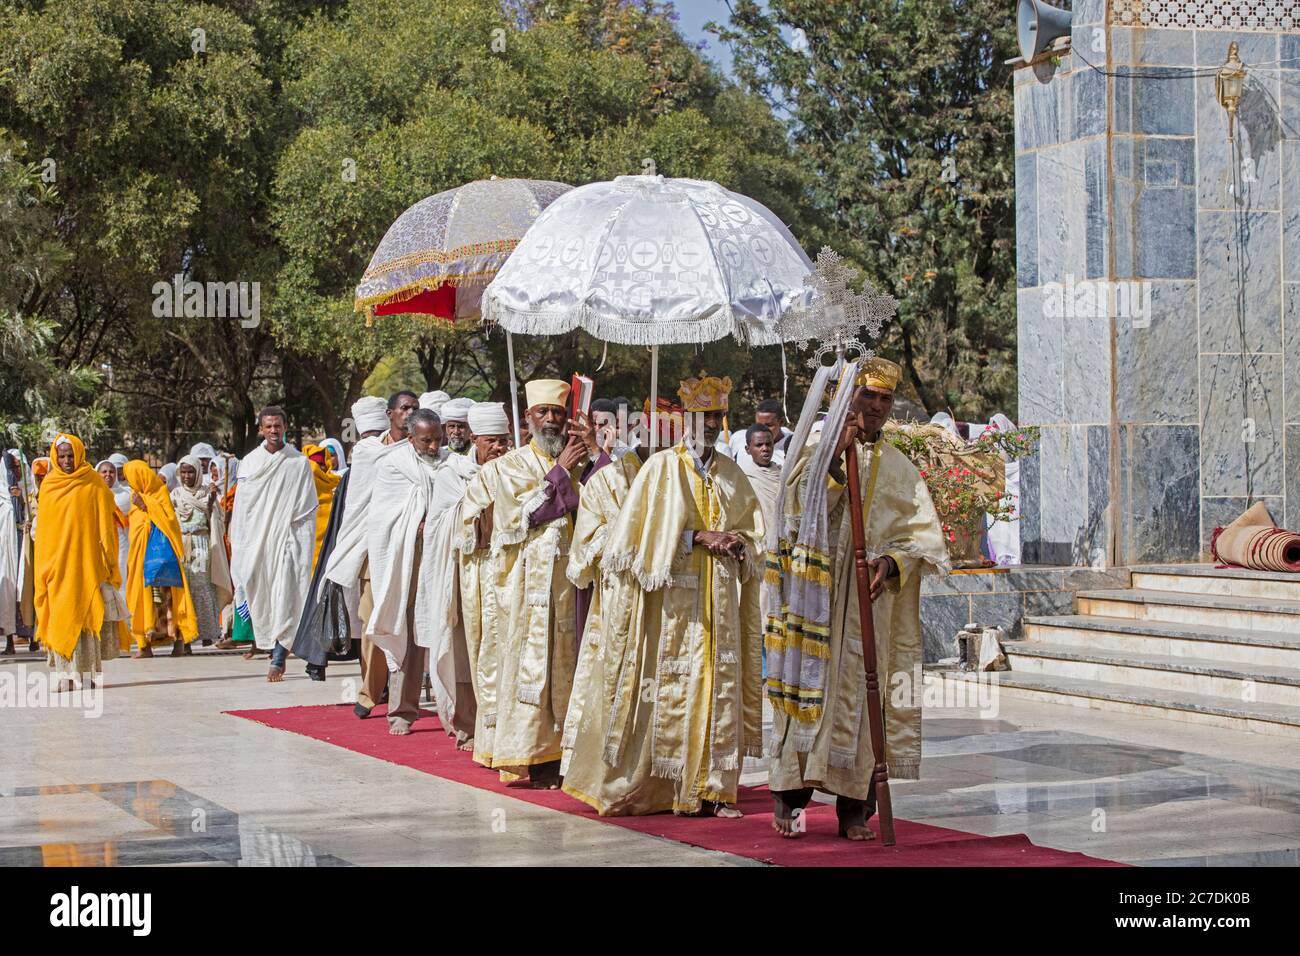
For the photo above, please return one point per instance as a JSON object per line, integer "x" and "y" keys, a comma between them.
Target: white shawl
{"x": 407, "y": 491}
{"x": 272, "y": 537}
{"x": 349, "y": 554}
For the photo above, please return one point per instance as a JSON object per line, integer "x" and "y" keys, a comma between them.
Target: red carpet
{"x": 431, "y": 751}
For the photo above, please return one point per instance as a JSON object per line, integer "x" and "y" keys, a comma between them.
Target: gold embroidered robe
{"x": 680, "y": 662}
{"x": 601, "y": 498}
{"x": 834, "y": 754}
{"x": 526, "y": 644}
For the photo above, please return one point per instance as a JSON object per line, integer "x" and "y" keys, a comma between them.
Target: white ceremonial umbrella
{"x": 644, "y": 260}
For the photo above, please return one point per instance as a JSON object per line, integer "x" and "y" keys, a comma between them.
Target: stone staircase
{"x": 1185, "y": 642}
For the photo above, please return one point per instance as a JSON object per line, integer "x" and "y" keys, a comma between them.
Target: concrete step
{"x": 1226, "y": 644}
{"x": 1207, "y": 579}
{"x": 1192, "y": 675}
{"x": 1213, "y": 610}
{"x": 1274, "y": 719}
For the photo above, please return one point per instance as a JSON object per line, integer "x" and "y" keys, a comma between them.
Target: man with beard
{"x": 532, "y": 491}
{"x": 455, "y": 425}
{"x": 412, "y": 513}
{"x": 677, "y": 705}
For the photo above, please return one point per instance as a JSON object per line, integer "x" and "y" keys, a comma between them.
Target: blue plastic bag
{"x": 162, "y": 569}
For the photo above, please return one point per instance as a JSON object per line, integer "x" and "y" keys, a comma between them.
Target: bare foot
{"x": 727, "y": 812}
{"x": 250, "y": 654}
{"x": 858, "y": 834}
{"x": 275, "y": 675}
{"x": 466, "y": 745}
{"x": 786, "y": 827}
{"x": 397, "y": 727}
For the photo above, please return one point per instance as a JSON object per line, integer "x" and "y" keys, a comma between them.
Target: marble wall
{"x": 1165, "y": 413}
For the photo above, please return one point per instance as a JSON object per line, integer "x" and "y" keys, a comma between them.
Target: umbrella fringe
{"x": 412, "y": 289}
{"x": 620, "y": 331}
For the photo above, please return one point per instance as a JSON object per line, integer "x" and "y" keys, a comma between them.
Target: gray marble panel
{"x": 958, "y": 583}
{"x": 1235, "y": 407}
{"x": 1030, "y": 505}
{"x": 1064, "y": 484}
{"x": 1036, "y": 579}
{"x": 1000, "y": 609}
{"x": 942, "y": 616}
{"x": 1166, "y": 163}
{"x": 1291, "y": 207}
{"x": 1040, "y": 361}
{"x": 1250, "y": 164}
{"x": 1239, "y": 250}
{"x": 1291, "y": 322}
{"x": 1123, "y": 210}
{"x": 1095, "y": 166}
{"x": 1258, "y": 48}
{"x": 1048, "y": 602}
{"x": 1156, "y": 377}
{"x": 1151, "y": 47}
{"x": 1220, "y": 512}
{"x": 1062, "y": 213}
{"x": 1088, "y": 103}
{"x": 1292, "y": 477}
{"x": 1124, "y": 543}
{"x": 1165, "y": 223}
{"x": 1290, "y": 51}
{"x": 1095, "y": 532}
{"x": 1037, "y": 114}
{"x": 1159, "y": 101}
{"x": 1087, "y": 368}
{"x": 1082, "y": 579}
{"x": 1165, "y": 485}
{"x": 1089, "y": 11}
{"x": 1027, "y": 220}
{"x": 1291, "y": 105}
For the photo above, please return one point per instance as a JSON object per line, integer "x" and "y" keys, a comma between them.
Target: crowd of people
{"x": 583, "y": 611}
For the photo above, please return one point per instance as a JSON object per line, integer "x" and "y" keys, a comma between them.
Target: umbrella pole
{"x": 654, "y": 398}
{"x": 514, "y": 385}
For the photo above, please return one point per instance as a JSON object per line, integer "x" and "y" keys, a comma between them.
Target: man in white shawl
{"x": 382, "y": 427}
{"x": 10, "y": 546}
{"x": 413, "y": 512}
{"x": 273, "y": 535}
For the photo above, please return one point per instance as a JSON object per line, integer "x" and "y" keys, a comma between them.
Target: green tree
{"x": 900, "y": 110}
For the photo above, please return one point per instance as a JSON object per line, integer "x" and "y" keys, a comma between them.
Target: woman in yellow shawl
{"x": 151, "y": 605}
{"x": 326, "y": 482}
{"x": 78, "y": 613}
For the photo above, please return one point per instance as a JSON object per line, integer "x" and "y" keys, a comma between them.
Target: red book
{"x": 580, "y": 395}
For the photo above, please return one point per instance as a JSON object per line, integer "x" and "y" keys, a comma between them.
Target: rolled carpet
{"x": 1254, "y": 541}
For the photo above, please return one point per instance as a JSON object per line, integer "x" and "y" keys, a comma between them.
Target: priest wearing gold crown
{"x": 519, "y": 510}
{"x": 676, "y": 704}
{"x": 815, "y": 676}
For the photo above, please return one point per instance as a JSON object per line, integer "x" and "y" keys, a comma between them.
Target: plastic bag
{"x": 162, "y": 569}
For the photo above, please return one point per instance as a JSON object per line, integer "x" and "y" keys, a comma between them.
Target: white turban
{"x": 370, "y": 413}
{"x": 118, "y": 459}
{"x": 488, "y": 418}
{"x": 456, "y": 410}
{"x": 434, "y": 401}
{"x": 203, "y": 450}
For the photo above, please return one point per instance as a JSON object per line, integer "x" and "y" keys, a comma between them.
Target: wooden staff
{"x": 875, "y": 714}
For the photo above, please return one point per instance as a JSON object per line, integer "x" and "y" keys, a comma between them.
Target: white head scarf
{"x": 336, "y": 449}
{"x": 222, "y": 464}
{"x": 168, "y": 474}
{"x": 118, "y": 459}
{"x": 203, "y": 450}
{"x": 186, "y": 499}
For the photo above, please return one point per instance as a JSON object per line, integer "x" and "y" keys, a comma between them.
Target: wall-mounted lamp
{"x": 1228, "y": 83}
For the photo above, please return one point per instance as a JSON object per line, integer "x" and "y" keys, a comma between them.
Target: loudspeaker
{"x": 1037, "y": 25}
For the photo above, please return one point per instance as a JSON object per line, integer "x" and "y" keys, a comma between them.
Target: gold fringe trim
{"x": 441, "y": 257}
{"x": 412, "y": 289}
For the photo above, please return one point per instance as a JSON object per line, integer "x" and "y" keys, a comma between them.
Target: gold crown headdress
{"x": 708, "y": 393}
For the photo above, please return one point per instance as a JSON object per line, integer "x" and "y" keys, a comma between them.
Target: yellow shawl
{"x": 76, "y": 552}
{"x": 326, "y": 482}
{"x": 158, "y": 511}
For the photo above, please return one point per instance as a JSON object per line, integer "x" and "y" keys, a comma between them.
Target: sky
{"x": 693, "y": 15}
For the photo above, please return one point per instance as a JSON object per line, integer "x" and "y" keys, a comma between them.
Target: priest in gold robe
{"x": 605, "y": 484}
{"x": 679, "y": 689}
{"x": 815, "y": 676}
{"x": 520, "y": 511}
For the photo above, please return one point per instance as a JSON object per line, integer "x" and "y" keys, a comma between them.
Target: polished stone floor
{"x": 163, "y": 777}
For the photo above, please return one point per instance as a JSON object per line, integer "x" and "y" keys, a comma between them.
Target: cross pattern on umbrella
{"x": 839, "y": 319}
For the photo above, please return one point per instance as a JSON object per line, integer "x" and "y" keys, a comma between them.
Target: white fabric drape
{"x": 272, "y": 538}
